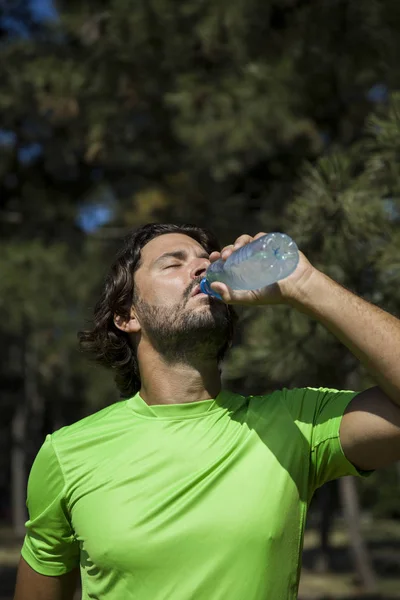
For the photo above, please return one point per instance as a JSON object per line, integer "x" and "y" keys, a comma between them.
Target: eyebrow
{"x": 178, "y": 254}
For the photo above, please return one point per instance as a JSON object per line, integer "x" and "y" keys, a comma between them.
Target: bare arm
{"x": 33, "y": 586}
{"x": 370, "y": 429}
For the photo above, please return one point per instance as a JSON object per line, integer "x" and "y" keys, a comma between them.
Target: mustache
{"x": 190, "y": 289}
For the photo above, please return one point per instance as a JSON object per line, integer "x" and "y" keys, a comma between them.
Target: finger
{"x": 230, "y": 296}
{"x": 227, "y": 251}
{"x": 214, "y": 256}
{"x": 223, "y": 290}
{"x": 240, "y": 242}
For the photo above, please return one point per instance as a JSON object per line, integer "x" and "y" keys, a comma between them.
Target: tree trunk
{"x": 359, "y": 551}
{"x": 18, "y": 468}
{"x": 327, "y": 502}
{"x": 28, "y": 411}
{"x": 34, "y": 400}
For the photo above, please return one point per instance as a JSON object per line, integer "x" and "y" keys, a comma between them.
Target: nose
{"x": 199, "y": 268}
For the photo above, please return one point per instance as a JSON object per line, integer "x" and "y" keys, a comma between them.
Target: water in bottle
{"x": 262, "y": 262}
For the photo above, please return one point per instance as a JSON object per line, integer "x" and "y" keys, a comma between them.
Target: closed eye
{"x": 172, "y": 266}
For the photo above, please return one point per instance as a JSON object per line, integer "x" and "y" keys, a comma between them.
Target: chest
{"x": 172, "y": 494}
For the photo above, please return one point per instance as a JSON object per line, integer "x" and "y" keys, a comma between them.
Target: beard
{"x": 181, "y": 335}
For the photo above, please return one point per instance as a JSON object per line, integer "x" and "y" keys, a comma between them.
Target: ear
{"x": 131, "y": 325}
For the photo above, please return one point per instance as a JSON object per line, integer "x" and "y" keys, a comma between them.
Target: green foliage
{"x": 34, "y": 284}
{"x": 342, "y": 222}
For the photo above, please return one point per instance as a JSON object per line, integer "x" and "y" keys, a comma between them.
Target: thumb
{"x": 230, "y": 296}
{"x": 224, "y": 292}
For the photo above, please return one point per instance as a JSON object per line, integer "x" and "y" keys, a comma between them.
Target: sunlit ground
{"x": 383, "y": 538}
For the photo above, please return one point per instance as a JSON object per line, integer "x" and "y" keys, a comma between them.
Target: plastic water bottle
{"x": 262, "y": 262}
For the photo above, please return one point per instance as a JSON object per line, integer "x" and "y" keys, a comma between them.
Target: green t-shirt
{"x": 198, "y": 501}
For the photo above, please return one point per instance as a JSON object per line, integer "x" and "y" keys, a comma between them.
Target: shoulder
{"x": 267, "y": 408}
{"x": 304, "y": 405}
{"x": 84, "y": 442}
{"x": 283, "y": 399}
{"x": 108, "y": 417}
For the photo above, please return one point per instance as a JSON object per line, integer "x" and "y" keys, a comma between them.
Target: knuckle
{"x": 242, "y": 240}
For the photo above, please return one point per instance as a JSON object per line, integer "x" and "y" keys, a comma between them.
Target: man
{"x": 183, "y": 490}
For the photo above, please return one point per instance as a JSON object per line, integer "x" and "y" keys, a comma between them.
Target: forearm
{"x": 370, "y": 333}
{"x": 34, "y": 586}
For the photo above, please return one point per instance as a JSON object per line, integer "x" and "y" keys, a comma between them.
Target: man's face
{"x": 178, "y": 321}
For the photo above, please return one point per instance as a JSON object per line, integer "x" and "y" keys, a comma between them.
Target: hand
{"x": 281, "y": 292}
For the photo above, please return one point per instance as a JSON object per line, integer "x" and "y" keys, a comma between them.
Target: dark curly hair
{"x": 105, "y": 343}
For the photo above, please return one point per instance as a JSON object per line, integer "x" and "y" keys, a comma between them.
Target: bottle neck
{"x": 206, "y": 289}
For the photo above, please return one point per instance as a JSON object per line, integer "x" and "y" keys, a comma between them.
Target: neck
{"x": 177, "y": 383}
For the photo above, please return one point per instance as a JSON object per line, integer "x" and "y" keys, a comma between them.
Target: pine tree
{"x": 345, "y": 219}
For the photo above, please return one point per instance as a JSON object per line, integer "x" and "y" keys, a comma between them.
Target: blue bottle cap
{"x": 206, "y": 289}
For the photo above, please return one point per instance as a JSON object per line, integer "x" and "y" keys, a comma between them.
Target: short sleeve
{"x": 50, "y": 547}
{"x": 318, "y": 413}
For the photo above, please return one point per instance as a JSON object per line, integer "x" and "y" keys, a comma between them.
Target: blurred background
{"x": 238, "y": 115}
